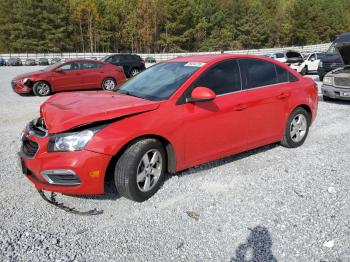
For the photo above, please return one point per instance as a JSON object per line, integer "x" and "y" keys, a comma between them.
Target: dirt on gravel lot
{"x": 268, "y": 204}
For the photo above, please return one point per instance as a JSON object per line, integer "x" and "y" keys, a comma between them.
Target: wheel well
{"x": 307, "y": 109}
{"x": 170, "y": 155}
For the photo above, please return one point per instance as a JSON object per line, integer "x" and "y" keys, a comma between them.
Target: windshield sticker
{"x": 195, "y": 64}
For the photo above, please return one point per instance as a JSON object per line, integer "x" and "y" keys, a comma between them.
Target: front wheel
{"x": 41, "y": 88}
{"x": 109, "y": 84}
{"x": 140, "y": 170}
{"x": 297, "y": 128}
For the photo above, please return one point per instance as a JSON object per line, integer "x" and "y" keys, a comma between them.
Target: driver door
{"x": 68, "y": 77}
{"x": 215, "y": 128}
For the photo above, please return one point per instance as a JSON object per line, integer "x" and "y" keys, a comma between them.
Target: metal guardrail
{"x": 165, "y": 56}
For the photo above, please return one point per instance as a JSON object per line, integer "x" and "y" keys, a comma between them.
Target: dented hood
{"x": 344, "y": 51}
{"x": 65, "y": 111}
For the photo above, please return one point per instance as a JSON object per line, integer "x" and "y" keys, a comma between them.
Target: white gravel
{"x": 267, "y": 204}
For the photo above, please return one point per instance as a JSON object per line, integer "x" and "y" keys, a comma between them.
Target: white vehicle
{"x": 311, "y": 63}
{"x": 292, "y": 58}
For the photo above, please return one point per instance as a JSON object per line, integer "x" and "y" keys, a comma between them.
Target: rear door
{"x": 215, "y": 128}
{"x": 266, "y": 93}
{"x": 92, "y": 73}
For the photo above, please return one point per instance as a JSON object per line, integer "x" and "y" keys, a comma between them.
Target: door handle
{"x": 283, "y": 95}
{"x": 240, "y": 107}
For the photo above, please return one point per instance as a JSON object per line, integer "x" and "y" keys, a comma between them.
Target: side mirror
{"x": 58, "y": 70}
{"x": 312, "y": 59}
{"x": 201, "y": 94}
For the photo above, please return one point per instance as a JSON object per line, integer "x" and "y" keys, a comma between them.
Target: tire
{"x": 297, "y": 128}
{"x": 321, "y": 78}
{"x": 326, "y": 98}
{"x": 42, "y": 88}
{"x": 304, "y": 71}
{"x": 132, "y": 166}
{"x": 109, "y": 84}
{"x": 134, "y": 72}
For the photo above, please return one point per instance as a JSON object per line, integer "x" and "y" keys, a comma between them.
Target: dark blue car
{"x": 2, "y": 61}
{"x": 332, "y": 59}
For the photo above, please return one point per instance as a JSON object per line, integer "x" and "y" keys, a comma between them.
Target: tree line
{"x": 156, "y": 26}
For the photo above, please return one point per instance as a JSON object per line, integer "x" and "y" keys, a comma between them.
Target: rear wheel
{"x": 140, "y": 170}
{"x": 109, "y": 84}
{"x": 134, "y": 72}
{"x": 297, "y": 128}
{"x": 41, "y": 88}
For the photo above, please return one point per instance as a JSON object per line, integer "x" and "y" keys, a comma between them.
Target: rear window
{"x": 257, "y": 73}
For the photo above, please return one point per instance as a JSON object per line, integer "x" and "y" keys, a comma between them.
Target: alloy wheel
{"x": 43, "y": 89}
{"x": 109, "y": 84}
{"x": 298, "y": 128}
{"x": 134, "y": 72}
{"x": 149, "y": 170}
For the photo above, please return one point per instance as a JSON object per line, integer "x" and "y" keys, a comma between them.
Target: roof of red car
{"x": 207, "y": 58}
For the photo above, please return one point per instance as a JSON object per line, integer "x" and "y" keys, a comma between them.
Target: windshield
{"x": 159, "y": 82}
{"x": 103, "y": 59}
{"x": 331, "y": 49}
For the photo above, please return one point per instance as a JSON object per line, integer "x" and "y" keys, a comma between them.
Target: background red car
{"x": 71, "y": 75}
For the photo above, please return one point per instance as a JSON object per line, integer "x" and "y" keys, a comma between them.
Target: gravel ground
{"x": 268, "y": 204}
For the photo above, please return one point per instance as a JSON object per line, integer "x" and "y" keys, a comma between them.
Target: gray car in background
{"x": 336, "y": 83}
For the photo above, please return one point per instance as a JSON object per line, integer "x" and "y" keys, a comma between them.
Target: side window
{"x": 90, "y": 65}
{"x": 282, "y": 74}
{"x": 136, "y": 58}
{"x": 312, "y": 57}
{"x": 222, "y": 78}
{"x": 292, "y": 78}
{"x": 257, "y": 73}
{"x": 70, "y": 66}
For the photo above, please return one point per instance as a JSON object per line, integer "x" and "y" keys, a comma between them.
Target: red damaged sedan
{"x": 71, "y": 75}
{"x": 175, "y": 115}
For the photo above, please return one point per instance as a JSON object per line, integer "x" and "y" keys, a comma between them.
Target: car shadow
{"x": 256, "y": 248}
{"x": 334, "y": 101}
{"x": 110, "y": 193}
{"x": 225, "y": 160}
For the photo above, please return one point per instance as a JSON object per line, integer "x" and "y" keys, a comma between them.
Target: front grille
{"x": 342, "y": 81}
{"x": 328, "y": 66}
{"x": 29, "y": 147}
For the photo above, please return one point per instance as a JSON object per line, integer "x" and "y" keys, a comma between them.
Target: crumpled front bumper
{"x": 335, "y": 92}
{"x": 90, "y": 167}
{"x": 20, "y": 88}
